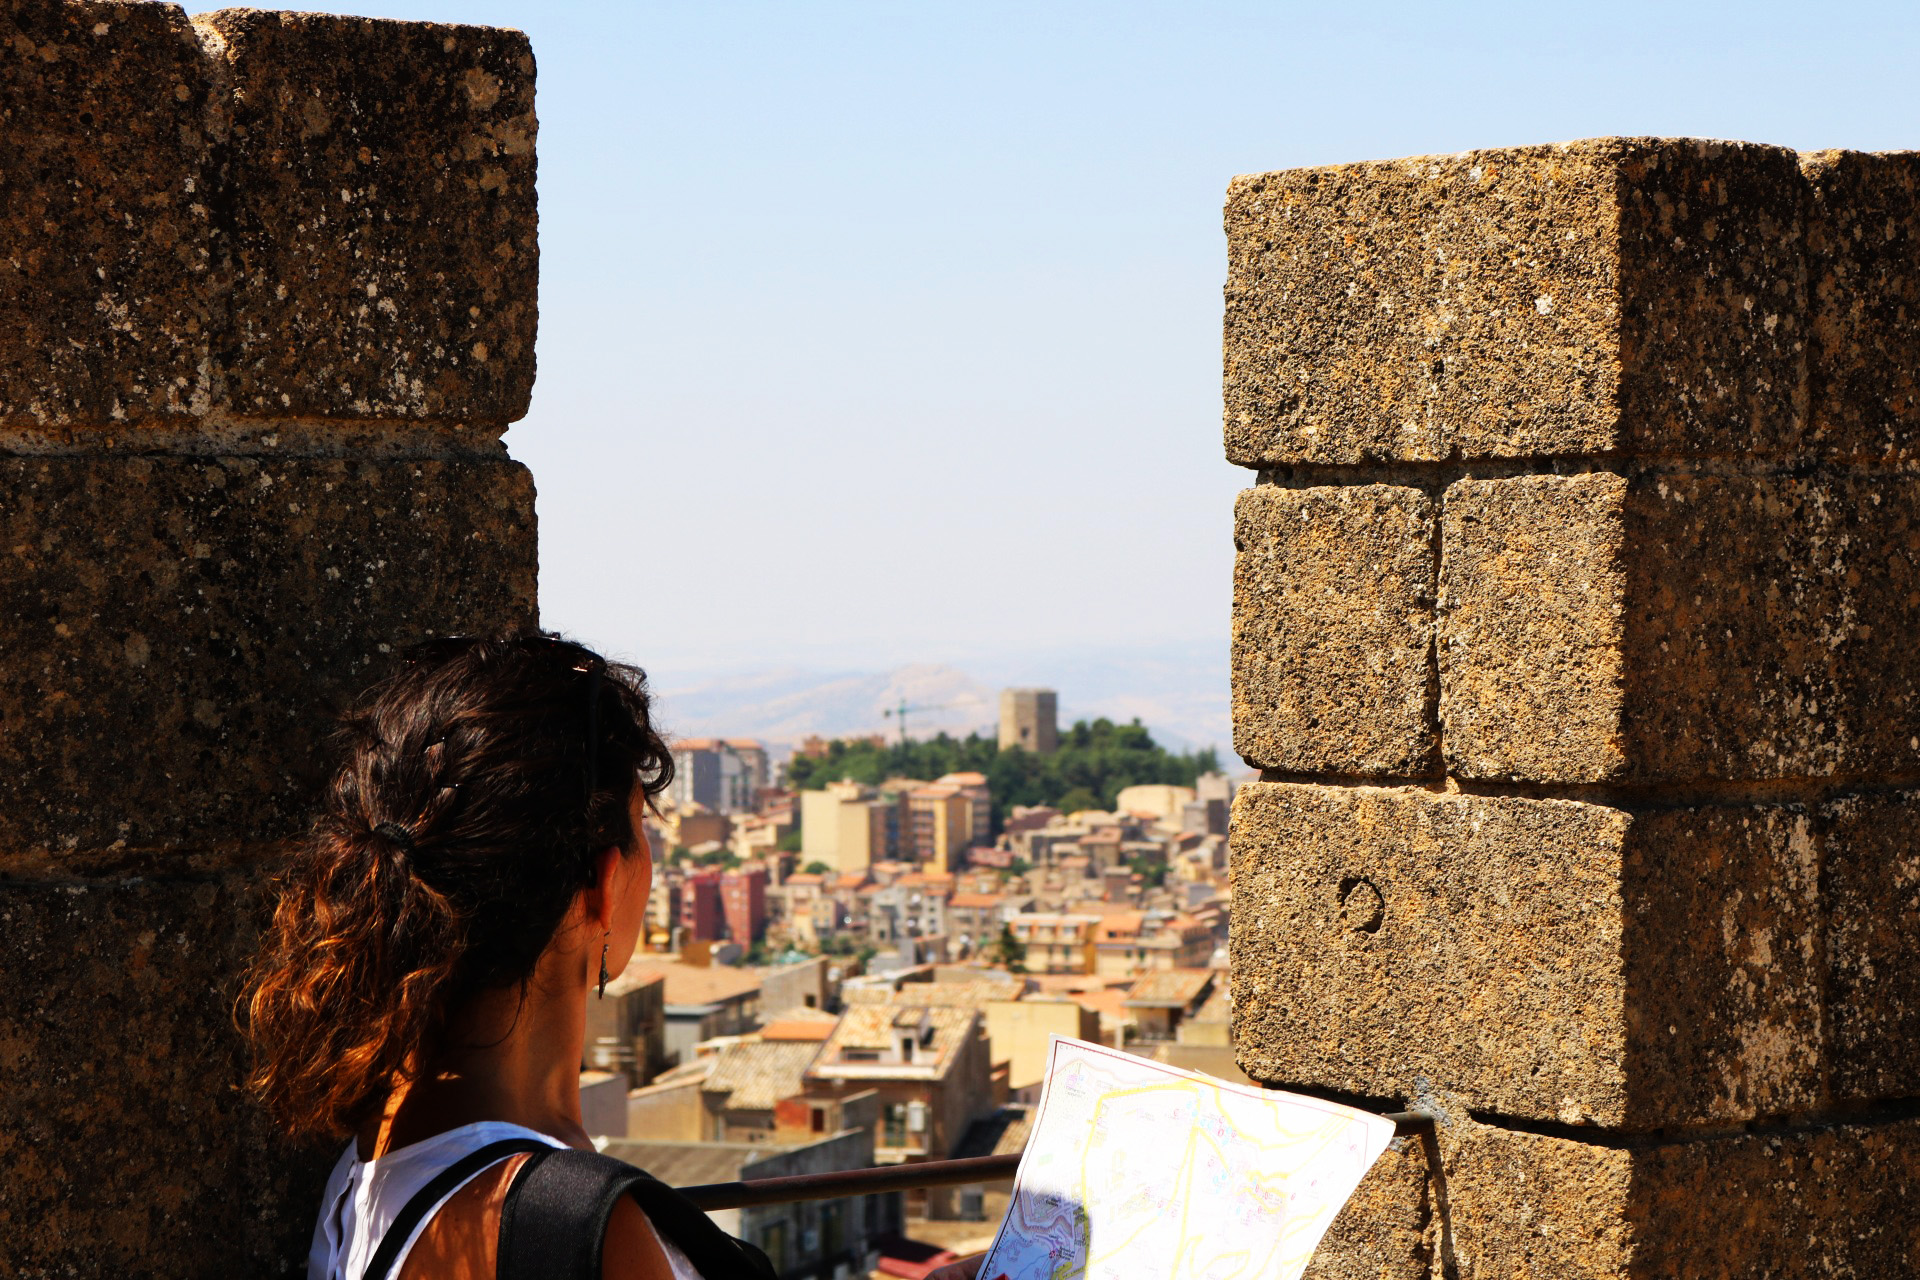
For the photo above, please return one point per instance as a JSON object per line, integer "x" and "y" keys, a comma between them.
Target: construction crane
{"x": 899, "y": 713}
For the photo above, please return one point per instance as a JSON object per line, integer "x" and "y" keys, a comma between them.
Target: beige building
{"x": 1056, "y": 942}
{"x": 979, "y": 804}
{"x": 1021, "y": 1031}
{"x": 1155, "y": 801}
{"x": 1135, "y": 942}
{"x": 1030, "y": 720}
{"x": 930, "y": 1066}
{"x": 941, "y": 820}
{"x": 845, "y": 826}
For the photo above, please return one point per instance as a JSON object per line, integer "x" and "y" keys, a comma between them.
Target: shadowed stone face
{"x": 1863, "y": 230}
{"x": 1662, "y": 628}
{"x": 1333, "y": 624}
{"x": 383, "y": 220}
{"x": 105, "y": 301}
{"x": 128, "y": 1147}
{"x": 1614, "y": 295}
{"x": 178, "y": 629}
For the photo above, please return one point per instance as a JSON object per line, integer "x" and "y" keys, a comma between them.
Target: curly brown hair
{"x": 476, "y": 786}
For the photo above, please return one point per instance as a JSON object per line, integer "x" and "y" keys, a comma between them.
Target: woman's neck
{"x": 515, "y": 1057}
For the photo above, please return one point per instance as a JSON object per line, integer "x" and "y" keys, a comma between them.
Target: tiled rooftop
{"x": 701, "y": 984}
{"x": 1176, "y": 988}
{"x": 755, "y": 1075}
{"x": 871, "y": 1028}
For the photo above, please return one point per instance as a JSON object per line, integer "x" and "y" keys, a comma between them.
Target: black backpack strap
{"x": 444, "y": 1184}
{"x": 554, "y": 1223}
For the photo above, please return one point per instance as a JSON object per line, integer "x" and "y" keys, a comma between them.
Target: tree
{"x": 1152, "y": 872}
{"x": 1077, "y": 799}
{"x": 818, "y": 869}
{"x": 1010, "y": 950}
{"x": 789, "y": 843}
{"x": 1097, "y": 758}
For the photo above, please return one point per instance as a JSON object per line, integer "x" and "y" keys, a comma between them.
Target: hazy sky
{"x": 877, "y": 333}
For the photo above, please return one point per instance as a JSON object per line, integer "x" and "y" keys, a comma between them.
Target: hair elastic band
{"x": 398, "y": 834}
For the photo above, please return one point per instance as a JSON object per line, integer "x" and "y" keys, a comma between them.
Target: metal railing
{"x": 909, "y": 1177}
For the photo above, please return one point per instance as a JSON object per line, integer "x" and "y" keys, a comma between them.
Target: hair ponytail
{"x": 455, "y": 835}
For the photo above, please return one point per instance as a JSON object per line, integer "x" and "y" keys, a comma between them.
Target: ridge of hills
{"x": 1179, "y": 692}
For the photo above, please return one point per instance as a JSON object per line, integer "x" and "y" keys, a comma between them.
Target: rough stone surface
{"x": 128, "y": 1148}
{"x": 104, "y": 224}
{"x": 1386, "y": 1229}
{"x": 1333, "y": 630}
{"x": 178, "y": 630}
{"x": 1543, "y": 959}
{"x": 1662, "y": 628}
{"x": 1818, "y": 1202}
{"x": 1872, "y": 867}
{"x": 1863, "y": 232}
{"x": 1531, "y": 680}
{"x": 383, "y": 217}
{"x": 1613, "y": 295}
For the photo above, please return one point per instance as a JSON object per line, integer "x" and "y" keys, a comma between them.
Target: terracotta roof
{"x": 805, "y": 877}
{"x": 1121, "y": 924}
{"x": 964, "y": 994}
{"x": 695, "y": 984}
{"x": 1110, "y": 1005}
{"x": 754, "y": 1076}
{"x": 850, "y": 879}
{"x": 793, "y": 1027}
{"x": 1174, "y": 989}
{"x": 637, "y": 975}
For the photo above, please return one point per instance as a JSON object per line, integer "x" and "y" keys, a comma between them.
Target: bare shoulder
{"x": 632, "y": 1250}
{"x": 460, "y": 1242}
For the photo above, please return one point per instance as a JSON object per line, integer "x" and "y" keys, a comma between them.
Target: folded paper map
{"x": 1141, "y": 1171}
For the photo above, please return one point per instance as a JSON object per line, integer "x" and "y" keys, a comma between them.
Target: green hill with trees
{"x": 1095, "y": 760}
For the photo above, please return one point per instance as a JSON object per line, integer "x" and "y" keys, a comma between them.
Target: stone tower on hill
{"x": 1029, "y": 718}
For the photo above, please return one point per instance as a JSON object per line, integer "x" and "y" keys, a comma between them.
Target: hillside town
{"x": 870, "y": 973}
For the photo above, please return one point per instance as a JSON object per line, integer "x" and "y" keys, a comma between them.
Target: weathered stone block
{"x": 1635, "y": 295}
{"x": 128, "y": 1145}
{"x": 1386, "y": 1229}
{"x": 104, "y": 228}
{"x": 1794, "y": 1205}
{"x": 177, "y": 629}
{"x": 1544, "y": 959}
{"x": 383, "y": 224}
{"x": 1863, "y": 233}
{"x": 1662, "y": 628}
{"x": 1872, "y": 865}
{"x": 1333, "y": 630}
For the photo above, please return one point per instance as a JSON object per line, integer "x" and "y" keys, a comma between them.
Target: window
{"x": 894, "y": 1128}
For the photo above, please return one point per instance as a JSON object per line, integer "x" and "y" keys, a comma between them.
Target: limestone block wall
{"x": 1573, "y": 636}
{"x": 267, "y": 305}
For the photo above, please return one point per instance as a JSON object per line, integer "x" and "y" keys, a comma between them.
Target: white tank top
{"x": 363, "y": 1197}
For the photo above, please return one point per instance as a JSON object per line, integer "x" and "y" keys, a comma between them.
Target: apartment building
{"x": 724, "y": 775}
{"x": 1056, "y": 942}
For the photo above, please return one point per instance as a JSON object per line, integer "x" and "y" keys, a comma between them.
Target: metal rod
{"x": 906, "y": 1177}
{"x": 853, "y": 1182}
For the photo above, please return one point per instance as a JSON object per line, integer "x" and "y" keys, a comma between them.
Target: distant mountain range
{"x": 1179, "y": 691}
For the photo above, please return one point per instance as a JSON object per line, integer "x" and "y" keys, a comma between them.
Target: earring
{"x": 603, "y": 965}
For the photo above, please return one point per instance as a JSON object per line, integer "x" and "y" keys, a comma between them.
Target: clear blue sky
{"x": 877, "y": 333}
